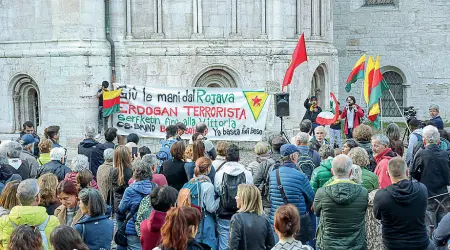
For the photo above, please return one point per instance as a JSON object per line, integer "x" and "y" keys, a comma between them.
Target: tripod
{"x": 406, "y": 136}
{"x": 282, "y": 133}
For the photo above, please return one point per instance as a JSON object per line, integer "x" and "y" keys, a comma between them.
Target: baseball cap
{"x": 27, "y": 139}
{"x": 288, "y": 149}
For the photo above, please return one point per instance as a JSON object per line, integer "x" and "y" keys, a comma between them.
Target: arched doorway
{"x": 217, "y": 77}
{"x": 26, "y": 100}
{"x": 318, "y": 83}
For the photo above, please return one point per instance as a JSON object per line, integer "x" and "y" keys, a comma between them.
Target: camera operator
{"x": 435, "y": 118}
{"x": 352, "y": 114}
{"x": 415, "y": 137}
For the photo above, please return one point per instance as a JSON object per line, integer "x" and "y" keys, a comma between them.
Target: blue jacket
{"x": 437, "y": 122}
{"x": 96, "y": 232}
{"x": 131, "y": 200}
{"x": 189, "y": 168}
{"x": 296, "y": 186}
{"x": 315, "y": 156}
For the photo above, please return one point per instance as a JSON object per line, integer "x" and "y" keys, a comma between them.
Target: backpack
{"x": 41, "y": 228}
{"x": 230, "y": 185}
{"x": 265, "y": 187}
{"x": 252, "y": 166}
{"x": 163, "y": 154}
{"x": 190, "y": 194}
{"x": 306, "y": 164}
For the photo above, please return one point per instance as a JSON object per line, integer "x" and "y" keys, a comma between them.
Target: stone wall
{"x": 411, "y": 37}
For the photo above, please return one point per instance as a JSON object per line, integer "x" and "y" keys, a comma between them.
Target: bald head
{"x": 341, "y": 166}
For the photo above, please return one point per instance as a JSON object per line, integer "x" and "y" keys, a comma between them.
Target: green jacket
{"x": 369, "y": 180}
{"x": 341, "y": 206}
{"x": 321, "y": 174}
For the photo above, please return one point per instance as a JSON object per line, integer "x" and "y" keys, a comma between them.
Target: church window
{"x": 396, "y": 85}
{"x": 26, "y": 102}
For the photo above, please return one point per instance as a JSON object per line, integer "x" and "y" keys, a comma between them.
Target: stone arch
{"x": 319, "y": 83}
{"x": 217, "y": 76}
{"x": 26, "y": 101}
{"x": 397, "y": 82}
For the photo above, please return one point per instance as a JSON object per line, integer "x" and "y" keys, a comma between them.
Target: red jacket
{"x": 358, "y": 115}
{"x": 382, "y": 160}
{"x": 72, "y": 176}
{"x": 151, "y": 230}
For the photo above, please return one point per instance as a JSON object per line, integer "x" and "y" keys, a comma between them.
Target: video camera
{"x": 409, "y": 113}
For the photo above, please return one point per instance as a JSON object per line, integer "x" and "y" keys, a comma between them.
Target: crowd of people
{"x": 304, "y": 194}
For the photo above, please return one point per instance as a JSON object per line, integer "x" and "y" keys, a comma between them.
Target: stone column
{"x": 298, "y": 17}
{"x": 160, "y": 18}
{"x": 234, "y": 19}
{"x": 277, "y": 22}
{"x": 200, "y": 16}
{"x": 157, "y": 21}
{"x": 263, "y": 19}
{"x": 315, "y": 16}
{"x": 129, "y": 34}
{"x": 323, "y": 18}
{"x": 16, "y": 99}
{"x": 197, "y": 18}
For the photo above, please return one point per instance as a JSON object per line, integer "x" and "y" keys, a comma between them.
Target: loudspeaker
{"x": 282, "y": 104}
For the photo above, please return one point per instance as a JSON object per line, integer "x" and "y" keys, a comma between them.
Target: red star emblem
{"x": 256, "y": 101}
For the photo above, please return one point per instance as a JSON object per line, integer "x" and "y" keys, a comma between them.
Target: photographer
{"x": 352, "y": 114}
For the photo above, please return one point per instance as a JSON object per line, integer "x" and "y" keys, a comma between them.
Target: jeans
{"x": 335, "y": 134}
{"x": 134, "y": 243}
{"x": 102, "y": 121}
{"x": 349, "y": 135}
{"x": 223, "y": 227}
{"x": 314, "y": 224}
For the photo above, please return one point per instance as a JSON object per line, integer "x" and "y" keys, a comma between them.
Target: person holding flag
{"x": 312, "y": 111}
{"x": 352, "y": 114}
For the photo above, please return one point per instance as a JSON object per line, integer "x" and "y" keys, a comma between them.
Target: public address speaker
{"x": 282, "y": 104}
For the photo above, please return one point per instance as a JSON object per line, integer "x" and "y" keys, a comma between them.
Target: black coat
{"x": 90, "y": 148}
{"x": 311, "y": 115}
{"x": 401, "y": 208}
{"x": 432, "y": 168}
{"x": 249, "y": 231}
{"x": 175, "y": 174}
{"x": 54, "y": 167}
{"x": 118, "y": 190}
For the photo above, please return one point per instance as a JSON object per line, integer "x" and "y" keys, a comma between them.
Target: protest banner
{"x": 229, "y": 113}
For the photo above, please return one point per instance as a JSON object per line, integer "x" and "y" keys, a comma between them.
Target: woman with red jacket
{"x": 352, "y": 114}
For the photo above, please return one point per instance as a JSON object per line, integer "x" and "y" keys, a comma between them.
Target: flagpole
{"x": 401, "y": 113}
{"x": 381, "y": 115}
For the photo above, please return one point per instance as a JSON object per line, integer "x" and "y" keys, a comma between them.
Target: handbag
{"x": 305, "y": 233}
{"x": 120, "y": 237}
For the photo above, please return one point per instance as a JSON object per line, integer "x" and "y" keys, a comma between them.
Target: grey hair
{"x": 79, "y": 162}
{"x": 142, "y": 170}
{"x": 89, "y": 132}
{"x": 356, "y": 175}
{"x": 302, "y": 138}
{"x": 108, "y": 154}
{"x": 3, "y": 145}
{"x": 27, "y": 192}
{"x": 341, "y": 166}
{"x": 3, "y": 157}
{"x": 150, "y": 159}
{"x": 56, "y": 154}
{"x": 93, "y": 200}
{"x": 434, "y": 106}
{"x": 384, "y": 140}
{"x": 326, "y": 151}
{"x": 13, "y": 149}
{"x": 431, "y": 134}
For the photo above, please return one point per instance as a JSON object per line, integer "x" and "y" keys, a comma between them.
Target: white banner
{"x": 230, "y": 114}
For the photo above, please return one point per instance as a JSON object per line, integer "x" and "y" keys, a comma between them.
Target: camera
{"x": 410, "y": 113}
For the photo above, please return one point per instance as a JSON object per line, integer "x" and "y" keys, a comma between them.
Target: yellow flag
{"x": 256, "y": 101}
{"x": 368, "y": 78}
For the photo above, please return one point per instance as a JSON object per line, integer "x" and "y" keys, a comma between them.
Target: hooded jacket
{"x": 96, "y": 232}
{"x": 131, "y": 200}
{"x": 321, "y": 174}
{"x": 296, "y": 186}
{"x": 341, "y": 206}
{"x": 382, "y": 160}
{"x": 30, "y": 215}
{"x": 401, "y": 208}
{"x": 261, "y": 178}
{"x": 56, "y": 168}
{"x": 28, "y": 157}
{"x": 44, "y": 158}
{"x": 89, "y": 148}
{"x": 151, "y": 230}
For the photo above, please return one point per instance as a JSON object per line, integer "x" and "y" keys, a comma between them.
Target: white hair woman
{"x": 104, "y": 180}
{"x": 78, "y": 164}
{"x": 249, "y": 228}
{"x": 56, "y": 166}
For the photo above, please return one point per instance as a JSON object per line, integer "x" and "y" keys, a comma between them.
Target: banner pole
{"x": 401, "y": 113}
{"x": 381, "y": 115}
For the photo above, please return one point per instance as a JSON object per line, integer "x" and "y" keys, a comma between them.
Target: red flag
{"x": 298, "y": 58}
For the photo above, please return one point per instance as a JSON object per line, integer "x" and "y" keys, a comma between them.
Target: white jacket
{"x": 232, "y": 168}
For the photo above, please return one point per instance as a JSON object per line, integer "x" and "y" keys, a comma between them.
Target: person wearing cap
{"x": 296, "y": 187}
{"x": 414, "y": 138}
{"x": 28, "y": 128}
{"x": 181, "y": 129}
{"x": 28, "y": 141}
{"x": 90, "y": 148}
{"x": 312, "y": 110}
{"x": 435, "y": 117}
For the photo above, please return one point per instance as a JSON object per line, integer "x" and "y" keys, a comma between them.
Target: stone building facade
{"x": 412, "y": 39}
{"x": 54, "y": 54}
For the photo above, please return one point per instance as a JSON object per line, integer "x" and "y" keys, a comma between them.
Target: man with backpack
{"x": 305, "y": 151}
{"x": 165, "y": 145}
{"x": 261, "y": 177}
{"x": 414, "y": 138}
{"x": 28, "y": 213}
{"x": 290, "y": 186}
{"x": 228, "y": 177}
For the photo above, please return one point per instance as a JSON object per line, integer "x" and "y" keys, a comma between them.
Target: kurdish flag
{"x": 111, "y": 102}
{"x": 379, "y": 84}
{"x": 368, "y": 79}
{"x": 298, "y": 57}
{"x": 356, "y": 73}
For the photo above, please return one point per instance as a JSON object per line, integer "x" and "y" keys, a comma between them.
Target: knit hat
{"x": 313, "y": 98}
